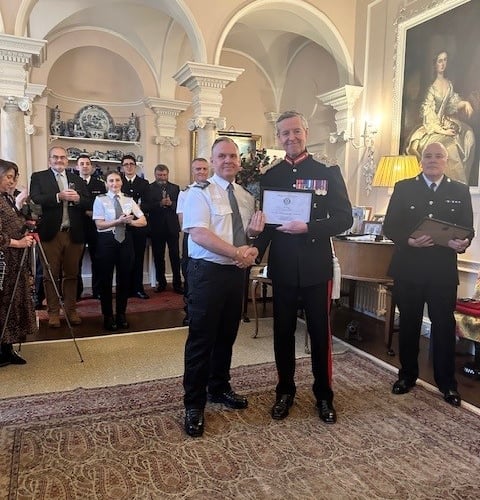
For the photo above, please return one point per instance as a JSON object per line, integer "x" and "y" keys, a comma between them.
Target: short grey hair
{"x": 291, "y": 114}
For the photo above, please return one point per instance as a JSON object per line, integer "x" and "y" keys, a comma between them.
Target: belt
{"x": 65, "y": 229}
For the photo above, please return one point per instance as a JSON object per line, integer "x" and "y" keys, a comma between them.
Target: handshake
{"x": 245, "y": 256}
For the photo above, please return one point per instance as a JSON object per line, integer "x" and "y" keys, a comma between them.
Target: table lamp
{"x": 392, "y": 169}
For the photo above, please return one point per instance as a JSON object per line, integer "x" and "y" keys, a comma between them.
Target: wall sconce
{"x": 392, "y": 169}
{"x": 370, "y": 129}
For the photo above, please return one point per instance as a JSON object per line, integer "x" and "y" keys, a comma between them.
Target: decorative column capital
{"x": 166, "y": 113}
{"x": 342, "y": 100}
{"x": 199, "y": 123}
{"x": 17, "y": 56}
{"x": 206, "y": 82}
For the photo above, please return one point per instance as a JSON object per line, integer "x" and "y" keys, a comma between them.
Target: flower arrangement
{"x": 253, "y": 166}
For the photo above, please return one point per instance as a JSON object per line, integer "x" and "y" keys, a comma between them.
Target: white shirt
{"x": 210, "y": 208}
{"x": 104, "y": 208}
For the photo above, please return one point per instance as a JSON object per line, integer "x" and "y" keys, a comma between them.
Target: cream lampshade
{"x": 392, "y": 169}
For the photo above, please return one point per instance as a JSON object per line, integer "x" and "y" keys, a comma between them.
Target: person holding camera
{"x": 16, "y": 305}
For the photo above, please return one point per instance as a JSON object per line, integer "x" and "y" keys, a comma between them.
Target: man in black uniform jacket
{"x": 95, "y": 187}
{"x": 136, "y": 188}
{"x": 300, "y": 263}
{"x": 425, "y": 273}
{"x": 160, "y": 205}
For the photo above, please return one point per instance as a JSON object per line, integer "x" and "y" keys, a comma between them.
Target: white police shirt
{"x": 207, "y": 205}
{"x": 104, "y": 208}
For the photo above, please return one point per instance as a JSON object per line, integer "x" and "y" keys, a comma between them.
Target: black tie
{"x": 433, "y": 186}
{"x": 237, "y": 224}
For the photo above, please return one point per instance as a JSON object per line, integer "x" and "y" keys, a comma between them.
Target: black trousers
{"x": 139, "y": 239}
{"x": 214, "y": 307}
{"x": 111, "y": 256}
{"x": 316, "y": 303}
{"x": 160, "y": 239}
{"x": 91, "y": 244}
{"x": 441, "y": 300}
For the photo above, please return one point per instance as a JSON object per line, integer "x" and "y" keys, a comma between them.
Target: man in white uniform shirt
{"x": 218, "y": 256}
{"x": 200, "y": 170}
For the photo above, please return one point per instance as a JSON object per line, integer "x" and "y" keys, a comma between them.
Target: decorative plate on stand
{"x": 95, "y": 120}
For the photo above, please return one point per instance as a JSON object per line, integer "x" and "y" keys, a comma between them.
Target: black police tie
{"x": 239, "y": 238}
{"x": 433, "y": 186}
{"x": 120, "y": 229}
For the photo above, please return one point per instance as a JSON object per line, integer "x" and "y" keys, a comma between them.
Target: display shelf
{"x": 90, "y": 139}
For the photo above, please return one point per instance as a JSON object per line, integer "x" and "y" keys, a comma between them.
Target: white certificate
{"x": 281, "y": 207}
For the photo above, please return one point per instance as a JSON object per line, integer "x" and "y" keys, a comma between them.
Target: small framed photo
{"x": 372, "y": 227}
{"x": 378, "y": 217}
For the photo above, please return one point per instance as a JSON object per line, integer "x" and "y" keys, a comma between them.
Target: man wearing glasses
{"x": 64, "y": 198}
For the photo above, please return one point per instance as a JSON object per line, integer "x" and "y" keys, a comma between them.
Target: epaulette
{"x": 323, "y": 158}
{"x": 101, "y": 195}
{"x": 267, "y": 167}
{"x": 186, "y": 188}
{"x": 202, "y": 185}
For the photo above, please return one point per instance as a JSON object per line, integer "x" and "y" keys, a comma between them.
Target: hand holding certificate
{"x": 283, "y": 206}
{"x": 440, "y": 231}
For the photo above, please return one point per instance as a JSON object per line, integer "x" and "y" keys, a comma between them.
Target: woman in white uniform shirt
{"x": 115, "y": 248}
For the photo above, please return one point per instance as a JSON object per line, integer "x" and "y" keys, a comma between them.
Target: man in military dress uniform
{"x": 300, "y": 263}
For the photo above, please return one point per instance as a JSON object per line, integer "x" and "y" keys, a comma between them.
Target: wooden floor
{"x": 370, "y": 330}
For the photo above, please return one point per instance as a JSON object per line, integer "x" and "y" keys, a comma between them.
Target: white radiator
{"x": 370, "y": 298}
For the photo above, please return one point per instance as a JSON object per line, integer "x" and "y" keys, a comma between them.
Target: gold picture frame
{"x": 246, "y": 141}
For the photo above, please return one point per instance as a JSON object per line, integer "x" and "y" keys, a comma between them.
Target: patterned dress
{"x": 22, "y": 314}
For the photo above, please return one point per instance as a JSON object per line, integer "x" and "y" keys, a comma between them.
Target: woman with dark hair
{"x": 13, "y": 240}
{"x": 440, "y": 123}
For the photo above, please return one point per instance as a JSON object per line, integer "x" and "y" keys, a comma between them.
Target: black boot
{"x": 11, "y": 355}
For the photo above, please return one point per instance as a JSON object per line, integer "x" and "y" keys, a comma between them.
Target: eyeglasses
{"x": 55, "y": 157}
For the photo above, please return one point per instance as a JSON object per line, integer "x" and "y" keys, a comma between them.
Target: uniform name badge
{"x": 283, "y": 205}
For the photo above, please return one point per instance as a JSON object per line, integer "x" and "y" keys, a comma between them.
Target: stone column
{"x": 206, "y": 83}
{"x": 17, "y": 56}
{"x": 166, "y": 113}
{"x": 271, "y": 118}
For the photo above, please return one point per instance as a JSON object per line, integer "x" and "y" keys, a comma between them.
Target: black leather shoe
{"x": 402, "y": 386}
{"x": 327, "y": 411}
{"x": 194, "y": 422}
{"x": 4, "y": 360}
{"x": 281, "y": 406}
{"x": 141, "y": 295}
{"x": 452, "y": 397}
{"x": 122, "y": 322}
{"x": 15, "y": 358}
{"x": 230, "y": 399}
{"x": 160, "y": 288}
{"x": 11, "y": 356}
{"x": 109, "y": 324}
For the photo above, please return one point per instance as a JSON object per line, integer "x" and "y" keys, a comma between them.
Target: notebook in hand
{"x": 440, "y": 231}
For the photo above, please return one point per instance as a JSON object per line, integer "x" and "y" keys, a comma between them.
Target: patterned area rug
{"x": 165, "y": 301}
{"x": 127, "y": 442}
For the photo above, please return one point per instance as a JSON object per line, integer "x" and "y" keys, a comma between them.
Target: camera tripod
{"x": 47, "y": 267}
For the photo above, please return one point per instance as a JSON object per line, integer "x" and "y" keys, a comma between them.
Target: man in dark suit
{"x": 161, "y": 206}
{"x": 136, "y": 187}
{"x": 300, "y": 263}
{"x": 426, "y": 273}
{"x": 95, "y": 187}
{"x": 64, "y": 198}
